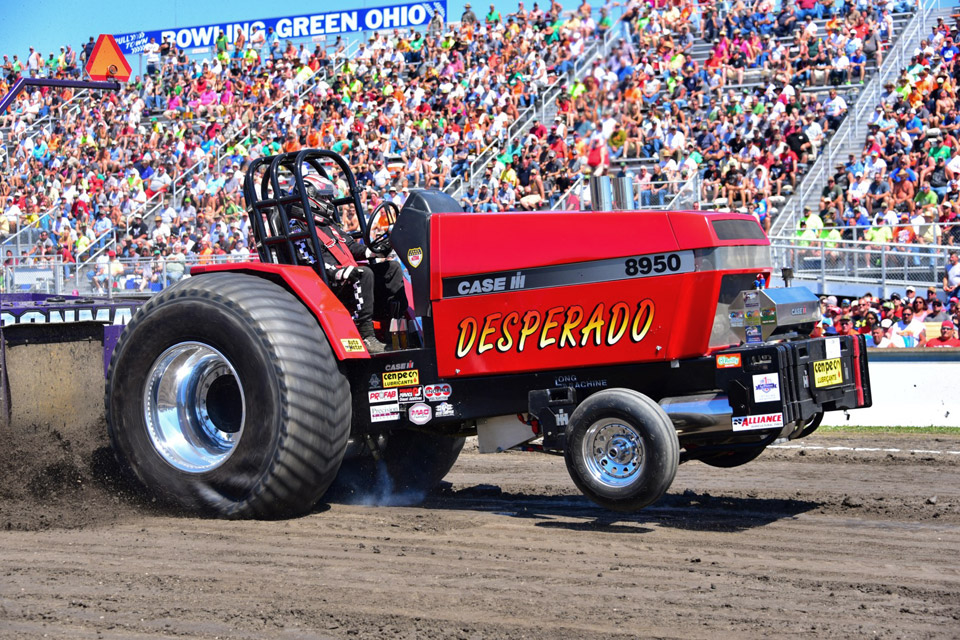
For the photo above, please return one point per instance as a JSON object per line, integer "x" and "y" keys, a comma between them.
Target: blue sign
{"x": 400, "y": 16}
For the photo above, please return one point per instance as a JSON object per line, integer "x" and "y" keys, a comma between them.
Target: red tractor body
{"x": 628, "y": 341}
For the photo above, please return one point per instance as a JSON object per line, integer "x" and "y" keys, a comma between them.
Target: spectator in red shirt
{"x": 945, "y": 339}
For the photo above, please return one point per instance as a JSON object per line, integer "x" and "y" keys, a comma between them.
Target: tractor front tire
{"x": 224, "y": 398}
{"x": 621, "y": 449}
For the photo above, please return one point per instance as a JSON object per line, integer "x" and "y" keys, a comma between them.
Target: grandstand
{"x": 561, "y": 96}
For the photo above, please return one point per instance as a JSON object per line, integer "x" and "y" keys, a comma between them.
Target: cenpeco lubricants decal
{"x": 560, "y": 327}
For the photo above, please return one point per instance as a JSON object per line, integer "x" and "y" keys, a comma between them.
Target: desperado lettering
{"x": 558, "y": 327}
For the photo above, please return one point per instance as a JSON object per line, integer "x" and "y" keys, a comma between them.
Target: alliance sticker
{"x": 352, "y": 345}
{"x": 729, "y": 361}
{"x": 415, "y": 257}
{"x": 401, "y": 378}
{"x": 383, "y": 395}
{"x": 437, "y": 392}
{"x": 411, "y": 394}
{"x": 764, "y": 421}
{"x": 766, "y": 387}
{"x": 384, "y": 412}
{"x": 443, "y": 410}
{"x": 420, "y": 413}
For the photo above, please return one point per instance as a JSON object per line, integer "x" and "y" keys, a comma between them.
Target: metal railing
{"x": 120, "y": 276}
{"x": 851, "y": 130}
{"x": 837, "y": 261}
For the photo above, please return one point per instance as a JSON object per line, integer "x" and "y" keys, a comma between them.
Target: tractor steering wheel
{"x": 379, "y": 226}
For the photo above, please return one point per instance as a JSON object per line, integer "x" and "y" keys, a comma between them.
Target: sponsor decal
{"x": 798, "y": 311}
{"x": 353, "y": 345}
{"x": 736, "y": 318}
{"x": 443, "y": 410}
{"x": 766, "y": 387}
{"x": 765, "y": 421}
{"x": 399, "y": 366}
{"x": 593, "y": 272}
{"x": 571, "y": 381}
{"x": 401, "y": 378}
{"x": 415, "y": 257}
{"x": 827, "y": 372}
{"x": 411, "y": 394}
{"x": 832, "y": 347}
{"x": 374, "y": 381}
{"x": 384, "y": 412}
{"x": 768, "y": 316}
{"x": 437, "y": 392}
{"x": 753, "y": 334}
{"x": 383, "y": 395}
{"x": 420, "y": 413}
{"x": 556, "y": 328}
{"x": 729, "y": 361}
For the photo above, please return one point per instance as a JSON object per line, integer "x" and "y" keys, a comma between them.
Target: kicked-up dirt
{"x": 823, "y": 542}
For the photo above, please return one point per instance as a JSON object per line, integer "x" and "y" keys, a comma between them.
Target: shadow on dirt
{"x": 689, "y": 510}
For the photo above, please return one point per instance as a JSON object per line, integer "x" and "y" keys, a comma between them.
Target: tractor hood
{"x": 516, "y": 292}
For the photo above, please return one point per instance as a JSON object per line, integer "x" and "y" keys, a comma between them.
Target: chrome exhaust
{"x": 699, "y": 411}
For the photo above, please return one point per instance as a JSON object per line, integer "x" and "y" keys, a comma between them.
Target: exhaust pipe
{"x": 610, "y": 193}
{"x": 699, "y": 411}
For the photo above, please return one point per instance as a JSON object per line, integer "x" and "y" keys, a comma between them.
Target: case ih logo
{"x": 765, "y": 421}
{"x": 437, "y": 392}
{"x": 730, "y": 361}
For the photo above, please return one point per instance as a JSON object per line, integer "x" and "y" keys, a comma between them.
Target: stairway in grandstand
{"x": 910, "y": 29}
{"x": 782, "y": 206}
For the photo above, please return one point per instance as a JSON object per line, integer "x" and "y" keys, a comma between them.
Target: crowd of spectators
{"x": 412, "y": 109}
{"x": 741, "y": 118}
{"x": 902, "y": 321}
{"x": 904, "y": 184}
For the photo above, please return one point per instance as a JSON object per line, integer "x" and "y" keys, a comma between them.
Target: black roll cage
{"x": 275, "y": 245}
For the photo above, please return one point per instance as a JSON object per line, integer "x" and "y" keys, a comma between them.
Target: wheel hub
{"x": 613, "y": 452}
{"x": 194, "y": 407}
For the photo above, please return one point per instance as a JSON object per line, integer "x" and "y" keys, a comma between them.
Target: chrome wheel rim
{"x": 613, "y": 452}
{"x": 194, "y": 407}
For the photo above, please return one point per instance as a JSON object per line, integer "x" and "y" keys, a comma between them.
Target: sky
{"x": 50, "y": 24}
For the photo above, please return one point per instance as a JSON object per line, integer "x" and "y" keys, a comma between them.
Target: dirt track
{"x": 816, "y": 543}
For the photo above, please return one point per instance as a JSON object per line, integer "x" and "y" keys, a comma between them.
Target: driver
{"x": 375, "y": 290}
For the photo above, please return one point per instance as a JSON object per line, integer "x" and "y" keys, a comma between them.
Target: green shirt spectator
{"x": 879, "y": 235}
{"x": 926, "y": 196}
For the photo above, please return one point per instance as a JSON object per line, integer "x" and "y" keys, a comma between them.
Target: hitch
{"x": 552, "y": 408}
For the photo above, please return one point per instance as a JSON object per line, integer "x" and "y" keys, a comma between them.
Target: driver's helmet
{"x": 320, "y": 194}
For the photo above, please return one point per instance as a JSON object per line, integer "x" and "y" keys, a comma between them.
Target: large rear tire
{"x": 224, "y": 398}
{"x": 621, "y": 449}
{"x": 412, "y": 463}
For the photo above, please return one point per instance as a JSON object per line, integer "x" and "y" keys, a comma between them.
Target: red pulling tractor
{"x": 629, "y": 342}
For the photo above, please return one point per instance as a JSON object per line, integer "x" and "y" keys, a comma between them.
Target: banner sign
{"x": 400, "y": 16}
